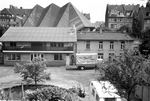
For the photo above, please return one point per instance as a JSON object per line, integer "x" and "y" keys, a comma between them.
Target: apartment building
{"x": 119, "y": 15}
{"x": 13, "y": 16}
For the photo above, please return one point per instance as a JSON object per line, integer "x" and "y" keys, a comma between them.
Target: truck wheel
{"x": 82, "y": 68}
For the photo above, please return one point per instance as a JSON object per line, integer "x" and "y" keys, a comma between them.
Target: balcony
{"x": 38, "y": 48}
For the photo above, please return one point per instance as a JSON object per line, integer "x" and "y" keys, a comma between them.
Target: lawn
{"x": 60, "y": 76}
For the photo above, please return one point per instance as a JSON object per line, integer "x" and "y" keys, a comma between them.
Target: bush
{"x": 52, "y": 93}
{"x": 78, "y": 90}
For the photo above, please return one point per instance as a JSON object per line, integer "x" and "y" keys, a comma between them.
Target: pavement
{"x": 64, "y": 77}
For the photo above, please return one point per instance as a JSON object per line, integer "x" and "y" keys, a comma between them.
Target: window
{"x": 110, "y": 55}
{"x": 148, "y": 14}
{"x": 122, "y": 45}
{"x": 60, "y": 44}
{"x": 100, "y": 55}
{"x": 37, "y": 55}
{"x": 97, "y": 97}
{"x": 53, "y": 44}
{"x": 12, "y": 44}
{"x": 113, "y": 25}
{"x": 58, "y": 57}
{"x": 100, "y": 45}
{"x": 111, "y": 45}
{"x": 87, "y": 44}
{"x": 13, "y": 56}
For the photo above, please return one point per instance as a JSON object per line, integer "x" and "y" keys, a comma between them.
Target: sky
{"x": 96, "y": 8}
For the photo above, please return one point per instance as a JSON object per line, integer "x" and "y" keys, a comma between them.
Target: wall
{"x": 24, "y": 58}
{"x": 27, "y": 57}
{"x": 146, "y": 24}
{"x": 94, "y": 47}
{"x": 51, "y": 62}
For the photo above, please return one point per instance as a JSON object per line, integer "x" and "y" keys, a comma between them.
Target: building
{"x": 120, "y": 15}
{"x": 55, "y": 16}
{"x": 50, "y": 16}
{"x": 13, "y": 16}
{"x": 144, "y": 16}
{"x": 55, "y": 45}
{"x": 105, "y": 44}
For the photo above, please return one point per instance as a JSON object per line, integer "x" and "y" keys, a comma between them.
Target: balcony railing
{"x": 38, "y": 48}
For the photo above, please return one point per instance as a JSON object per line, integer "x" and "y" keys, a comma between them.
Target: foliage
{"x": 33, "y": 70}
{"x": 136, "y": 28}
{"x": 124, "y": 28}
{"x": 52, "y": 93}
{"x": 145, "y": 42}
{"x": 3, "y": 29}
{"x": 125, "y": 72}
{"x": 78, "y": 90}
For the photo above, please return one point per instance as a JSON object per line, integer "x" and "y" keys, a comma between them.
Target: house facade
{"x": 144, "y": 16}
{"x": 22, "y": 44}
{"x": 105, "y": 44}
{"x": 119, "y": 15}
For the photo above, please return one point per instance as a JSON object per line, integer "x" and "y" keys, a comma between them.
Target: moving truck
{"x": 86, "y": 60}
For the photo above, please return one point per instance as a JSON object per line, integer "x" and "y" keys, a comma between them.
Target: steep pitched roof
{"x": 33, "y": 19}
{"x": 39, "y": 34}
{"x": 131, "y": 7}
{"x": 5, "y": 11}
{"x": 84, "y": 21}
{"x": 61, "y": 15}
{"x": 49, "y": 16}
{"x": 54, "y": 16}
{"x": 116, "y": 7}
{"x": 103, "y": 36}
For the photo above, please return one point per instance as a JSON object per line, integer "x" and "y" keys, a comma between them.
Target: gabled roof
{"x": 5, "y": 11}
{"x": 49, "y": 16}
{"x": 116, "y": 7}
{"x": 39, "y": 34}
{"x": 103, "y": 36}
{"x": 131, "y": 7}
{"x": 15, "y": 11}
{"x": 34, "y": 17}
{"x": 54, "y": 16}
{"x": 84, "y": 20}
{"x": 63, "y": 17}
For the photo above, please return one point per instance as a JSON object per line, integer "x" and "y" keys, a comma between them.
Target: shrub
{"x": 52, "y": 93}
{"x": 78, "y": 90}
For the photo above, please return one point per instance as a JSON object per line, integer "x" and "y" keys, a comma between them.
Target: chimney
{"x": 10, "y": 6}
{"x": 100, "y": 29}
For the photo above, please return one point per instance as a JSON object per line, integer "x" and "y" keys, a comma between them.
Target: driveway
{"x": 65, "y": 77}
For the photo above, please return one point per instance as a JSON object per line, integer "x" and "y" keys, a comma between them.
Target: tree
{"x": 33, "y": 71}
{"x": 136, "y": 28}
{"x": 144, "y": 47}
{"x": 125, "y": 72}
{"x": 3, "y": 29}
{"x": 125, "y": 28}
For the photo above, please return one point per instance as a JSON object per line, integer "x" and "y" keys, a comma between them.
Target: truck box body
{"x": 86, "y": 60}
